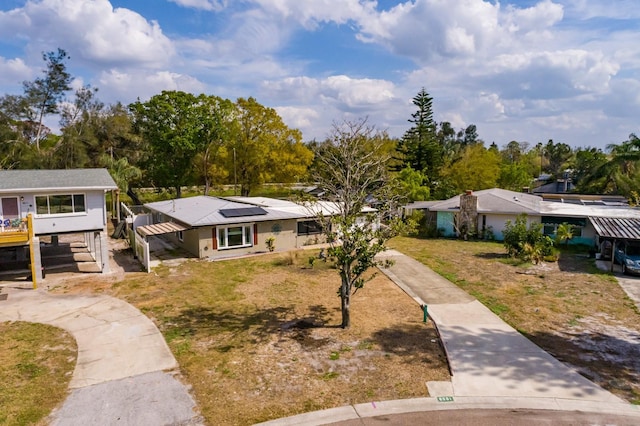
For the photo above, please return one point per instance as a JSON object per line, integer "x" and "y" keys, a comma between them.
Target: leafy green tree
{"x": 263, "y": 149}
{"x": 44, "y": 94}
{"x": 169, "y": 122}
{"x": 557, "y": 155}
{"x": 514, "y": 177}
{"x": 352, "y": 167}
{"x": 217, "y": 117}
{"x": 77, "y": 148}
{"x": 512, "y": 152}
{"x": 586, "y": 164}
{"x": 117, "y": 138}
{"x": 478, "y": 168}
{"x": 413, "y": 184}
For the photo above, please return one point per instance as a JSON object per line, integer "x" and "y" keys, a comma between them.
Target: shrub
{"x": 527, "y": 243}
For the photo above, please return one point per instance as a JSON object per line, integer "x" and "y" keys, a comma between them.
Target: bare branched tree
{"x": 352, "y": 172}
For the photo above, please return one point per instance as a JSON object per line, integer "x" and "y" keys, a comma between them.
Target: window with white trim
{"x": 60, "y": 204}
{"x": 235, "y": 236}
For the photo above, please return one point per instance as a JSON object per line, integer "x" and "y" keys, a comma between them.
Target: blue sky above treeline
{"x": 567, "y": 70}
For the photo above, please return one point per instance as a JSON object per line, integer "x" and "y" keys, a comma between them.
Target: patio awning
{"x": 616, "y": 228}
{"x": 160, "y": 228}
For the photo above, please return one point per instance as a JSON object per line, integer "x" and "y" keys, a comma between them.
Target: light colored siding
{"x": 499, "y": 221}
{"x": 93, "y": 219}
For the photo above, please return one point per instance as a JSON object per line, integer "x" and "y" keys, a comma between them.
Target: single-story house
{"x": 488, "y": 211}
{"x": 213, "y": 227}
{"x": 38, "y": 203}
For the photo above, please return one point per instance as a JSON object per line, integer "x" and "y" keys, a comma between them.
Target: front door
{"x": 10, "y": 209}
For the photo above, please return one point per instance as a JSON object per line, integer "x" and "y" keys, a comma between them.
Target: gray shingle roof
{"x": 47, "y": 180}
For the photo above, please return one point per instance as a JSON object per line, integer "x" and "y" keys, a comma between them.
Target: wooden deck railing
{"x": 15, "y": 231}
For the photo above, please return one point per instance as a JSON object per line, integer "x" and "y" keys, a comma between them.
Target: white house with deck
{"x": 39, "y": 203}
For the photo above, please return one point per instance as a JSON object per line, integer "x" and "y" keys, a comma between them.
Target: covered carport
{"x": 616, "y": 231}
{"x": 141, "y": 244}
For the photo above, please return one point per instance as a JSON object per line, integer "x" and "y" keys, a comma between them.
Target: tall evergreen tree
{"x": 419, "y": 146}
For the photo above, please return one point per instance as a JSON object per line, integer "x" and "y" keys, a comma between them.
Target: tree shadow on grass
{"x": 253, "y": 325}
{"x": 411, "y": 342}
{"x": 609, "y": 361}
{"x": 492, "y": 256}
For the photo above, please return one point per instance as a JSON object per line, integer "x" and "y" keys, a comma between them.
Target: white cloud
{"x": 298, "y": 117}
{"x": 13, "y": 70}
{"x": 310, "y": 14}
{"x": 93, "y": 30}
{"x": 126, "y": 86}
{"x": 618, "y": 9}
{"x": 210, "y": 5}
{"x": 341, "y": 91}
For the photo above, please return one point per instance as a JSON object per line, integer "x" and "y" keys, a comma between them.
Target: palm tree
{"x": 564, "y": 233}
{"x": 620, "y": 174}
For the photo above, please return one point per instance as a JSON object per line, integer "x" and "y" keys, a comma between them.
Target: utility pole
{"x": 235, "y": 176}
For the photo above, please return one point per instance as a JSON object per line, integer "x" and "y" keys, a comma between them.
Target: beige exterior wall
{"x": 200, "y": 241}
{"x": 284, "y": 232}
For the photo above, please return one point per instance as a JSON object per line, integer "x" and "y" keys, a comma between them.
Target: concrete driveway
{"x": 123, "y": 373}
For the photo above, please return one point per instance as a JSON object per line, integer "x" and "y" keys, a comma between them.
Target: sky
{"x": 523, "y": 70}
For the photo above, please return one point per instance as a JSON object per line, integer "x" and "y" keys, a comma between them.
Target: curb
{"x": 404, "y": 406}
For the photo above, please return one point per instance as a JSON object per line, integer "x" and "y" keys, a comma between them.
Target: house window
{"x": 235, "y": 236}
{"x": 60, "y": 204}
{"x": 549, "y": 229}
{"x": 309, "y": 227}
{"x": 180, "y": 236}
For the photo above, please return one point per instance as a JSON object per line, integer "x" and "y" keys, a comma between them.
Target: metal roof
{"x": 496, "y": 200}
{"x": 160, "y": 228}
{"x": 617, "y": 228}
{"x": 203, "y": 210}
{"x": 16, "y": 181}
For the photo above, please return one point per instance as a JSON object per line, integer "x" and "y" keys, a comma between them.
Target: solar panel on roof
{"x": 242, "y": 212}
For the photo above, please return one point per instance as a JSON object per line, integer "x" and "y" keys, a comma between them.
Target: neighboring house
{"x": 59, "y": 202}
{"x": 488, "y": 211}
{"x": 560, "y": 186}
{"x": 211, "y": 227}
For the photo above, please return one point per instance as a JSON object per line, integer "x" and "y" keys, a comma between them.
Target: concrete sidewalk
{"x": 492, "y": 365}
{"x": 487, "y": 356}
{"x": 121, "y": 371}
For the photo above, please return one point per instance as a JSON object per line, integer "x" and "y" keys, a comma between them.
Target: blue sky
{"x": 567, "y": 70}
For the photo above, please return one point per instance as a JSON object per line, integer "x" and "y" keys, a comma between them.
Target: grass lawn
{"x": 571, "y": 309}
{"x": 36, "y": 364}
{"x": 257, "y": 338}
